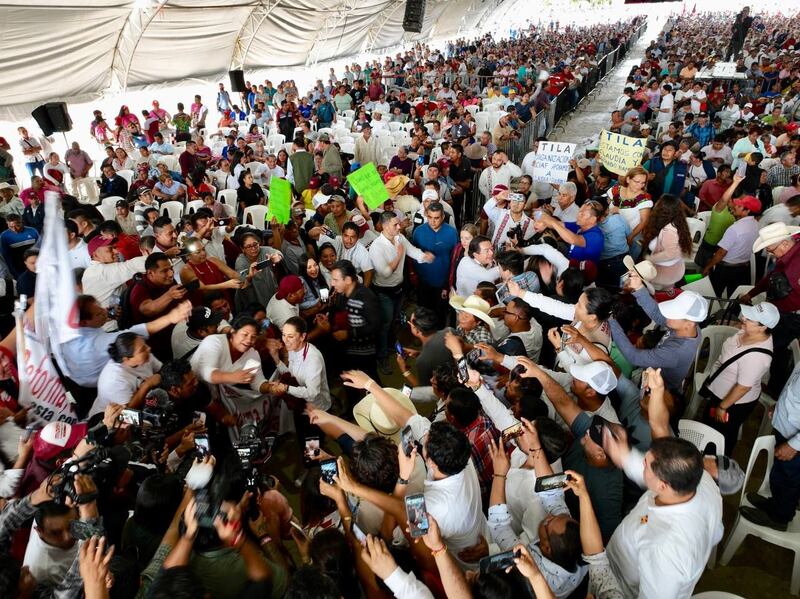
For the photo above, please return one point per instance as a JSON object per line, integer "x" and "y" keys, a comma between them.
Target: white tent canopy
{"x": 70, "y": 49}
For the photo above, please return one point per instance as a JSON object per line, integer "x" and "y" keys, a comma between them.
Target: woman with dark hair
{"x": 313, "y": 283}
{"x": 212, "y": 274}
{"x": 128, "y": 376}
{"x": 253, "y": 134}
{"x": 667, "y": 241}
{"x": 230, "y": 363}
{"x": 264, "y": 283}
{"x": 283, "y": 159}
{"x": 327, "y": 258}
{"x": 248, "y": 194}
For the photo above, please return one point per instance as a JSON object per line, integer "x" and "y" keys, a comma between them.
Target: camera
{"x": 254, "y": 448}
{"x": 100, "y": 463}
{"x": 516, "y": 234}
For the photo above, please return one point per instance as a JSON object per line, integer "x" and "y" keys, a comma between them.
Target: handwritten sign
{"x": 620, "y": 153}
{"x": 552, "y": 162}
{"x": 280, "y": 200}
{"x": 369, "y": 185}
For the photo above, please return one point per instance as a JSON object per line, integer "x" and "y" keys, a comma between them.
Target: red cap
{"x": 334, "y": 181}
{"x": 314, "y": 183}
{"x": 100, "y": 242}
{"x": 498, "y": 188}
{"x": 288, "y": 285}
{"x": 751, "y": 203}
{"x": 56, "y": 438}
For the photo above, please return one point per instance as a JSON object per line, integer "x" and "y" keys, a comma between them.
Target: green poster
{"x": 369, "y": 185}
{"x": 280, "y": 200}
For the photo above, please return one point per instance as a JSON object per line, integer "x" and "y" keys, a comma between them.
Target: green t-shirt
{"x": 182, "y": 122}
{"x": 717, "y": 225}
{"x": 223, "y": 575}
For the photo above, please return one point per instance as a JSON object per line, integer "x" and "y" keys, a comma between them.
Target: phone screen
{"x": 262, "y": 265}
{"x": 463, "y": 375}
{"x": 201, "y": 444}
{"x": 398, "y": 348}
{"x": 324, "y": 294}
{"x": 199, "y": 417}
{"x": 329, "y": 469}
{"x": 311, "y": 450}
{"x": 513, "y": 431}
{"x": 407, "y": 439}
{"x": 406, "y": 391}
{"x": 417, "y": 515}
{"x": 359, "y": 534}
{"x": 132, "y": 417}
{"x": 498, "y": 561}
{"x": 548, "y": 483}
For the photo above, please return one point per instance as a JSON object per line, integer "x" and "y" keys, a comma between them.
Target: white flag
{"x": 55, "y": 299}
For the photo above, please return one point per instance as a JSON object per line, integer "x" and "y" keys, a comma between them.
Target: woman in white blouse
{"x": 730, "y": 113}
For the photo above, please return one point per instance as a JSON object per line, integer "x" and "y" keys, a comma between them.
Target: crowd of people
{"x": 465, "y": 408}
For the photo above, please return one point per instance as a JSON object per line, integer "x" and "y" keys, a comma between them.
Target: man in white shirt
{"x": 366, "y": 147}
{"x": 348, "y": 248}
{"x": 205, "y": 227}
{"x": 286, "y": 302}
{"x": 159, "y": 147}
{"x": 106, "y": 276}
{"x": 661, "y": 547}
{"x": 506, "y": 212}
{"x": 477, "y": 266}
{"x": 499, "y": 173}
{"x": 76, "y": 247}
{"x": 271, "y": 169}
{"x": 387, "y": 254}
{"x": 565, "y": 208}
{"x": 665, "y": 109}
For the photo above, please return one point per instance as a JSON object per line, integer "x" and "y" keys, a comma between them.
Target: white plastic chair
{"x": 752, "y": 269}
{"x": 255, "y": 168}
{"x": 395, "y": 126}
{"x": 704, "y": 216}
{"x": 108, "y": 212}
{"x": 347, "y": 148}
{"x": 697, "y": 228}
{"x": 492, "y": 107}
{"x": 701, "y": 435}
{"x": 258, "y": 214}
{"x": 481, "y": 121}
{"x": 193, "y": 206}
{"x": 766, "y": 424}
{"x": 349, "y": 113}
{"x": 228, "y": 197}
{"x": 776, "y": 194}
{"x": 742, "y": 527}
{"x": 275, "y": 142}
{"x": 174, "y": 210}
{"x": 111, "y": 201}
{"x": 472, "y": 109}
{"x": 170, "y": 161}
{"x": 126, "y": 174}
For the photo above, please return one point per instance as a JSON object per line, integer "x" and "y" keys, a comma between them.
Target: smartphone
{"x": 311, "y": 450}
{"x": 564, "y": 341}
{"x": 359, "y": 534}
{"x": 324, "y": 294}
{"x": 406, "y": 391}
{"x": 193, "y": 285}
{"x": 262, "y": 265}
{"x": 132, "y": 417}
{"x": 741, "y": 169}
{"x": 421, "y": 160}
{"x": 269, "y": 443}
{"x": 199, "y": 417}
{"x": 548, "y": 483}
{"x": 713, "y": 413}
{"x": 222, "y": 221}
{"x": 297, "y": 527}
{"x": 328, "y": 469}
{"x": 408, "y": 441}
{"x": 512, "y": 432}
{"x": 398, "y": 348}
{"x": 201, "y": 445}
{"x": 518, "y": 197}
{"x": 498, "y": 561}
{"x": 463, "y": 375}
{"x": 29, "y": 431}
{"x": 417, "y": 514}
{"x": 537, "y": 215}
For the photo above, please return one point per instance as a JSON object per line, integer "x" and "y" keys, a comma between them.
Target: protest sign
{"x": 620, "y": 153}
{"x": 369, "y": 185}
{"x": 280, "y": 200}
{"x": 552, "y": 162}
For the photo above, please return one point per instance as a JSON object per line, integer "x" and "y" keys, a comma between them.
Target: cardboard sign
{"x": 369, "y": 185}
{"x": 280, "y": 200}
{"x": 620, "y": 153}
{"x": 552, "y": 162}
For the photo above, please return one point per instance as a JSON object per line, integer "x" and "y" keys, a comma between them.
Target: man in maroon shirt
{"x": 153, "y": 296}
{"x": 712, "y": 189}
{"x": 188, "y": 160}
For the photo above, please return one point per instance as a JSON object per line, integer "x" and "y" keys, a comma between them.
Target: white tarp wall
{"x": 74, "y": 50}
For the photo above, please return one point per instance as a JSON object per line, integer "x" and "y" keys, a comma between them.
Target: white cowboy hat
{"x": 474, "y": 305}
{"x": 645, "y": 269}
{"x": 369, "y": 415}
{"x": 772, "y": 234}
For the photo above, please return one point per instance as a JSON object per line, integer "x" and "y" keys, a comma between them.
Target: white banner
{"x": 552, "y": 162}
{"x": 56, "y": 301}
{"x": 40, "y": 386}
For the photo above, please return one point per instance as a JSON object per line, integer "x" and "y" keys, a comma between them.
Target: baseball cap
{"x": 98, "y": 241}
{"x": 764, "y": 313}
{"x": 583, "y": 163}
{"x": 202, "y": 316}
{"x": 730, "y": 477}
{"x": 703, "y": 114}
{"x": 288, "y": 285}
{"x": 499, "y": 188}
{"x": 751, "y": 203}
{"x": 319, "y": 199}
{"x": 324, "y": 137}
{"x": 748, "y": 105}
{"x": 56, "y": 438}
{"x": 337, "y": 198}
{"x": 689, "y": 305}
{"x": 366, "y": 125}
{"x": 430, "y": 194}
{"x": 142, "y": 191}
{"x": 5, "y": 185}
{"x": 121, "y": 204}
{"x": 598, "y": 375}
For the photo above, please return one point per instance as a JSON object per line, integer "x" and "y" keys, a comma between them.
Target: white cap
{"x": 598, "y": 375}
{"x": 763, "y": 313}
{"x": 430, "y": 194}
{"x": 320, "y": 199}
{"x": 687, "y": 306}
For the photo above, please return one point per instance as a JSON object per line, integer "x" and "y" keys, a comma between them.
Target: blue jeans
{"x": 390, "y": 309}
{"x": 784, "y": 483}
{"x": 35, "y": 166}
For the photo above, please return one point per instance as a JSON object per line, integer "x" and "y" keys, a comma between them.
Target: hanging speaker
{"x": 237, "y": 81}
{"x": 414, "y": 16}
{"x": 42, "y": 119}
{"x": 57, "y": 111}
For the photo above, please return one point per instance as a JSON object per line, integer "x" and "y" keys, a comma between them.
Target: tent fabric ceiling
{"x": 63, "y": 49}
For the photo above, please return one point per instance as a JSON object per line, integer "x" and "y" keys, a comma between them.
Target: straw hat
{"x": 369, "y": 415}
{"x": 645, "y": 269}
{"x": 772, "y": 234}
{"x": 396, "y": 184}
{"x": 475, "y": 152}
{"x": 474, "y": 305}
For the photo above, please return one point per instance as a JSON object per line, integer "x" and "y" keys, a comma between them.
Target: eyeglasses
{"x": 250, "y": 246}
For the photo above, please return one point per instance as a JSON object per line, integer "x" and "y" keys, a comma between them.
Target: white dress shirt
{"x": 79, "y": 255}
{"x": 383, "y": 251}
{"x": 469, "y": 273}
{"x": 358, "y": 254}
{"x": 307, "y": 366}
{"x": 660, "y": 551}
{"x": 117, "y": 383}
{"x": 502, "y": 223}
{"x": 87, "y": 354}
{"x": 106, "y": 282}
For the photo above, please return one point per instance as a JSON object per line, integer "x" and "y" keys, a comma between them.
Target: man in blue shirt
{"x": 615, "y": 247}
{"x": 14, "y": 241}
{"x": 584, "y": 235}
{"x": 701, "y": 130}
{"x": 439, "y": 238}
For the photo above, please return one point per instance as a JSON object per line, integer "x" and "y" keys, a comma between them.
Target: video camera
{"x": 254, "y": 448}
{"x": 100, "y": 463}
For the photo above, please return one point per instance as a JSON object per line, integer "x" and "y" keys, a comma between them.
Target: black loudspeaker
{"x": 414, "y": 16}
{"x": 43, "y": 119}
{"x": 237, "y": 81}
{"x": 57, "y": 111}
